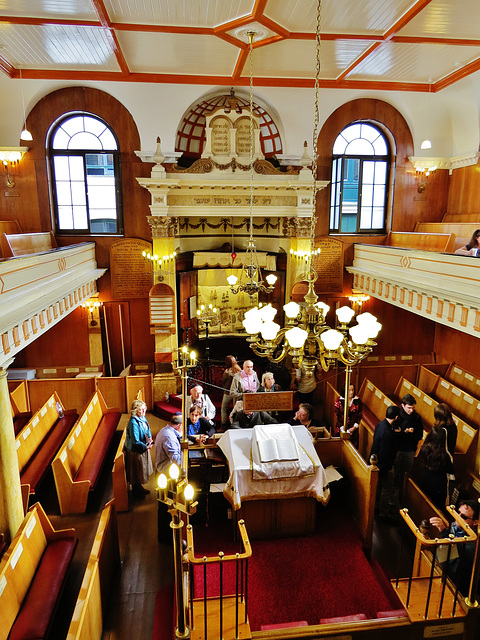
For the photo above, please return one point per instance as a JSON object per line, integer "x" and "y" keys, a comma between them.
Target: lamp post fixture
{"x": 177, "y": 494}
{"x": 206, "y": 315}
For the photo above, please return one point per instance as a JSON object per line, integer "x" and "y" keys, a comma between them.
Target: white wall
{"x": 450, "y": 118}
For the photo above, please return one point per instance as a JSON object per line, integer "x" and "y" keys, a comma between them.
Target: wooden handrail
{"x": 223, "y": 558}
{"x": 469, "y": 537}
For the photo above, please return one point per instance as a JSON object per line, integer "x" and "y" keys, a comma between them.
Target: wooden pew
{"x": 78, "y": 463}
{"x": 460, "y": 402}
{"x": 32, "y": 574}
{"x": 424, "y": 241}
{"x": 463, "y": 379}
{"x": 419, "y": 506}
{"x": 462, "y": 231}
{"x": 467, "y": 438}
{"x": 102, "y": 568}
{"x": 19, "y": 400}
{"x": 362, "y": 485}
{"x": 21, "y": 244}
{"x": 38, "y": 442}
{"x": 7, "y": 226}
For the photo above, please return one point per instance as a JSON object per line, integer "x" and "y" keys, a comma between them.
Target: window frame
{"x": 337, "y": 193}
{"x": 52, "y": 153}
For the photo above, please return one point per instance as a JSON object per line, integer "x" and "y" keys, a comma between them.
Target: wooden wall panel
{"x": 464, "y": 193}
{"x": 458, "y": 347}
{"x": 113, "y": 392}
{"x": 74, "y": 393}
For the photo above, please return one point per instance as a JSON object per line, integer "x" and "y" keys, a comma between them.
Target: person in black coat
{"x": 249, "y": 419}
{"x": 384, "y": 450}
{"x": 410, "y": 434}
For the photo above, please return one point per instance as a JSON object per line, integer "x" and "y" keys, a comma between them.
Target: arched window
{"x": 85, "y": 176}
{"x": 360, "y": 171}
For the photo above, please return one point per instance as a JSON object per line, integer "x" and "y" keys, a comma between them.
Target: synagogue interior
{"x": 183, "y": 183}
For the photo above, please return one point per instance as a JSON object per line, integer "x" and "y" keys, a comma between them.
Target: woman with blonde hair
{"x": 138, "y": 442}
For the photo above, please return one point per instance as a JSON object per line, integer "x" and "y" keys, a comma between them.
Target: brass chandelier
{"x": 251, "y": 280}
{"x": 306, "y": 338}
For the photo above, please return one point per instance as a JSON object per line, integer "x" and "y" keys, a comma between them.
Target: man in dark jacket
{"x": 410, "y": 434}
{"x": 384, "y": 447}
{"x": 249, "y": 419}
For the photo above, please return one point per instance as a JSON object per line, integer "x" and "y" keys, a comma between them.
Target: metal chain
{"x": 315, "y": 133}
{"x": 251, "y": 37}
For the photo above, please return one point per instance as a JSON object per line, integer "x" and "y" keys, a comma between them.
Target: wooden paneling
{"x": 74, "y": 393}
{"x": 113, "y": 392}
{"x": 454, "y": 346}
{"x": 464, "y": 194}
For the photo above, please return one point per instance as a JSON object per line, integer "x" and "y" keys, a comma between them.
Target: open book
{"x": 274, "y": 449}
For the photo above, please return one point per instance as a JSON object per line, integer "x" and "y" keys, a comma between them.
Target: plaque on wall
{"x": 329, "y": 266}
{"x": 131, "y": 274}
{"x": 276, "y": 401}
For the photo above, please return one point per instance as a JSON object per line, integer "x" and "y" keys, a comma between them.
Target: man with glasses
{"x": 461, "y": 563}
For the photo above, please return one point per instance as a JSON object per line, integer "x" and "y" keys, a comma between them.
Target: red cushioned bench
{"x": 38, "y": 442}
{"x": 32, "y": 575}
{"x": 77, "y": 465}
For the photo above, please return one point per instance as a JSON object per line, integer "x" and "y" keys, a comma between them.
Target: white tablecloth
{"x": 236, "y": 444}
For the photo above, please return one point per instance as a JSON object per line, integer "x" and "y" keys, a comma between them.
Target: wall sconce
{"x": 154, "y": 263}
{"x": 92, "y": 307}
{"x": 9, "y": 157}
{"x": 423, "y": 168}
{"x": 357, "y": 299}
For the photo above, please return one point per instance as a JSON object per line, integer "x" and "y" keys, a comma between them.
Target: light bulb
{"x": 188, "y": 493}
{"x": 271, "y": 279}
{"x": 174, "y": 471}
{"x": 268, "y": 313}
{"x": 292, "y": 309}
{"x": 162, "y": 481}
{"x": 332, "y": 339}
{"x": 269, "y": 330}
{"x": 232, "y": 280}
{"x": 324, "y": 308}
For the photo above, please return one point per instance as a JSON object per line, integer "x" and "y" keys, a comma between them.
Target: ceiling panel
{"x": 413, "y": 62}
{"x": 174, "y": 53}
{"x": 159, "y": 37}
{"x": 200, "y": 13}
{"x": 60, "y": 9}
{"x": 57, "y": 47}
{"x": 282, "y": 59}
{"x": 448, "y": 19}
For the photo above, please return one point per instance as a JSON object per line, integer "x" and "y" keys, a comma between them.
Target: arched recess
{"x": 395, "y": 126}
{"x": 85, "y": 99}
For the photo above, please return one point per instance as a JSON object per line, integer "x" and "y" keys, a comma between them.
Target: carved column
{"x": 164, "y": 232}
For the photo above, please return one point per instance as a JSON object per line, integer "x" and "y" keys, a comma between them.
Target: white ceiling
{"x": 408, "y": 45}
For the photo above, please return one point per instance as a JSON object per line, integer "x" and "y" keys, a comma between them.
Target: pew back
{"x": 102, "y": 566}
{"x": 34, "y": 432}
{"x": 20, "y": 244}
{"x": 19, "y": 398}
{"x": 430, "y": 241}
{"x": 463, "y": 379}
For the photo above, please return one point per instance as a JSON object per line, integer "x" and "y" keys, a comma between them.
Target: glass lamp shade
{"x": 359, "y": 333}
{"x": 271, "y": 279}
{"x": 296, "y": 337}
{"x": 323, "y": 308}
{"x": 162, "y": 481}
{"x": 371, "y": 324}
{"x": 332, "y": 339}
{"x": 26, "y": 136}
{"x": 269, "y": 330}
{"x": 345, "y": 314}
{"x": 232, "y": 280}
{"x": 268, "y": 313}
{"x": 253, "y": 321}
{"x": 292, "y": 309}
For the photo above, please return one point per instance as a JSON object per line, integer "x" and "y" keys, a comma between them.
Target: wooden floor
{"x": 146, "y": 564}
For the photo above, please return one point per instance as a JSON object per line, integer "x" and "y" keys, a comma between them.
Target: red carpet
{"x": 320, "y": 576}
{"x": 163, "y": 621}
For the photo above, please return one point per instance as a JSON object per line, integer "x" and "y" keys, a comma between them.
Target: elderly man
{"x": 167, "y": 451}
{"x": 249, "y": 419}
{"x": 245, "y": 380}
{"x": 203, "y": 402}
